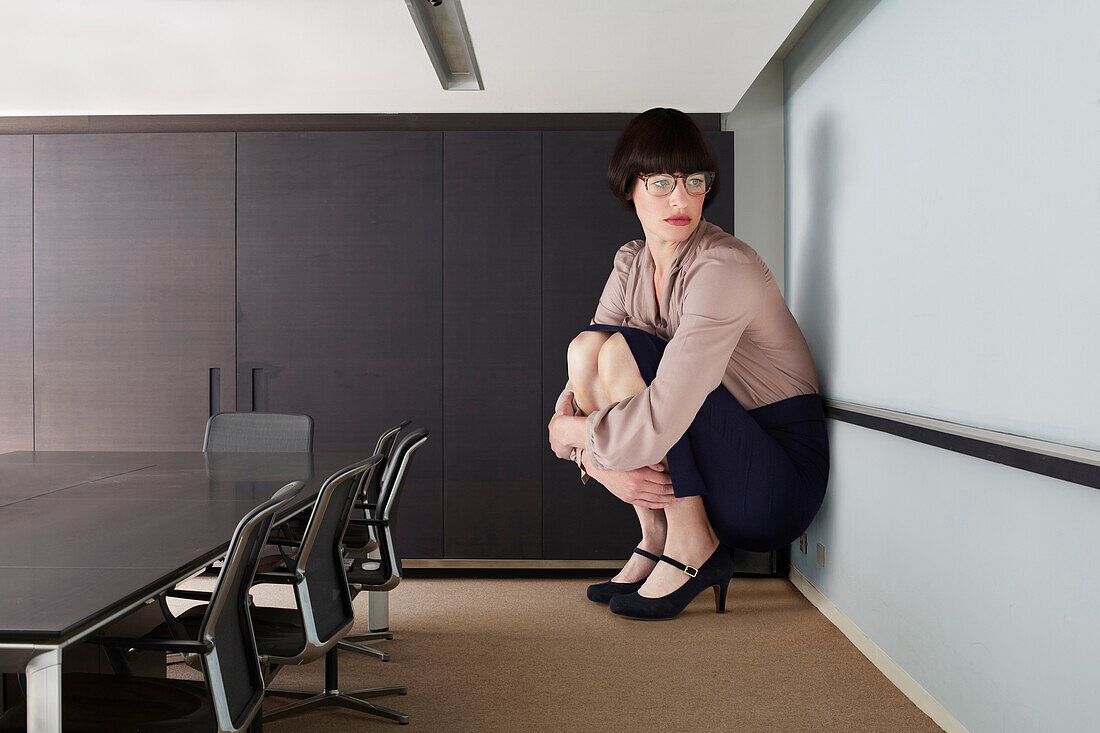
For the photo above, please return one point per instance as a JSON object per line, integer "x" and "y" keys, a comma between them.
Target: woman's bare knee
{"x": 581, "y": 356}
{"x": 618, "y": 370}
{"x": 584, "y": 350}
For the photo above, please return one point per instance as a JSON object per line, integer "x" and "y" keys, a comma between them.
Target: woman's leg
{"x": 689, "y": 537}
{"x": 589, "y": 392}
{"x": 583, "y": 375}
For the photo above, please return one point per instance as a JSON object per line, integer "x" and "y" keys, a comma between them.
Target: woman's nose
{"x": 679, "y": 195}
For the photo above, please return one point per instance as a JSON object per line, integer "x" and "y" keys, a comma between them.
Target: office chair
{"x": 357, "y": 538}
{"x": 258, "y": 432}
{"x": 223, "y": 642}
{"x": 384, "y": 574}
{"x": 323, "y": 611}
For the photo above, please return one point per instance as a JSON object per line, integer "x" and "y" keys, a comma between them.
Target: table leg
{"x": 378, "y": 610}
{"x": 44, "y": 692}
{"x": 378, "y": 602}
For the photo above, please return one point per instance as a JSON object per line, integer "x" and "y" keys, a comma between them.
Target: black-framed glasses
{"x": 662, "y": 184}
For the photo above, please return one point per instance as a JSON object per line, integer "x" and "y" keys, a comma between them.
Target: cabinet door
{"x": 582, "y": 229}
{"x": 16, "y": 358}
{"x": 133, "y": 289}
{"x": 339, "y": 287}
{"x": 492, "y": 344}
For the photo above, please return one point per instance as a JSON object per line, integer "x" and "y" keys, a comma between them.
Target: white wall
{"x": 945, "y": 220}
{"x": 943, "y": 225}
{"x": 757, "y": 124}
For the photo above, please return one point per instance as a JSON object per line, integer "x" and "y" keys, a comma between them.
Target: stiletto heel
{"x": 715, "y": 572}
{"x": 720, "y": 597}
{"x": 604, "y": 592}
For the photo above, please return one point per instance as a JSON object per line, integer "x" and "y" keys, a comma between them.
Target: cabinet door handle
{"x": 214, "y": 394}
{"x": 257, "y": 384}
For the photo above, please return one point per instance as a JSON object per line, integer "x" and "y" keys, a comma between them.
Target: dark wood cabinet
{"x": 133, "y": 288}
{"x": 16, "y": 314}
{"x": 339, "y": 289}
{"x": 363, "y": 278}
{"x": 494, "y": 431}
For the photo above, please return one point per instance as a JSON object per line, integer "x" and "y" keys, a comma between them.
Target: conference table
{"x": 88, "y": 537}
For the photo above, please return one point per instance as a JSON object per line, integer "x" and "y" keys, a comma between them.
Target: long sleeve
{"x": 611, "y": 308}
{"x": 723, "y": 291}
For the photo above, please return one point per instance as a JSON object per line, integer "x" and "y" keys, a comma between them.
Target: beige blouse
{"x": 726, "y": 323}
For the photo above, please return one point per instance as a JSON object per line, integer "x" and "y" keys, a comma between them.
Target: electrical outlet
{"x": 821, "y": 554}
{"x": 802, "y": 543}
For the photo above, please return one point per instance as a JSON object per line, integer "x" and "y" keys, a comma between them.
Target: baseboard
{"x": 497, "y": 564}
{"x": 893, "y": 671}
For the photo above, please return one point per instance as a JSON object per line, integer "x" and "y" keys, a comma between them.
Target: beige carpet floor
{"x": 508, "y": 654}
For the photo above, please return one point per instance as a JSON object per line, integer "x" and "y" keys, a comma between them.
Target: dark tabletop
{"x": 84, "y": 533}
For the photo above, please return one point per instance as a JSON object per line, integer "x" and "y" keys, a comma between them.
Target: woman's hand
{"x": 566, "y": 429}
{"x": 648, "y": 486}
{"x": 557, "y": 443}
{"x": 565, "y": 405}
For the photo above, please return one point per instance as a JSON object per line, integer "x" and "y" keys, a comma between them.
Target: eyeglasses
{"x": 662, "y": 184}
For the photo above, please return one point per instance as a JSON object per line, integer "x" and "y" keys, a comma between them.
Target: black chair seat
{"x": 108, "y": 704}
{"x": 278, "y": 631}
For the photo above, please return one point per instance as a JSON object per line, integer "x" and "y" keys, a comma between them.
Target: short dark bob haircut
{"x": 659, "y": 140}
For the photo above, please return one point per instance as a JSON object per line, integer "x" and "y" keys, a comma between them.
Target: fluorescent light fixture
{"x": 442, "y": 27}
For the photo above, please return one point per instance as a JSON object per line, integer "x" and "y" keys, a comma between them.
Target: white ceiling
{"x": 69, "y": 57}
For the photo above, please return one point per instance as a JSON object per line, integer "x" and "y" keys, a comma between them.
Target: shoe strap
{"x": 650, "y": 555}
{"x": 680, "y": 566}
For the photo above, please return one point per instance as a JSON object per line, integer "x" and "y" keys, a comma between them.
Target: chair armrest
{"x": 186, "y": 646}
{"x": 276, "y": 576}
{"x": 370, "y": 522}
{"x": 191, "y": 595}
{"x": 283, "y": 543}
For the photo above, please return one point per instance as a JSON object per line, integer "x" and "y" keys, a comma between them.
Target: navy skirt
{"x": 761, "y": 472}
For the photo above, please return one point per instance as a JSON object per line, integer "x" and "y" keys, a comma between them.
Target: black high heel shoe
{"x": 715, "y": 572}
{"x": 604, "y": 592}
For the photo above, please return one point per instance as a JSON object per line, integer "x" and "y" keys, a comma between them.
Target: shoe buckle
{"x": 691, "y": 571}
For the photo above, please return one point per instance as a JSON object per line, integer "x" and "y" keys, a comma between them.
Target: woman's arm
{"x": 723, "y": 292}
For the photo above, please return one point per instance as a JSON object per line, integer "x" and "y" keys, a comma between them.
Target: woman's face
{"x": 667, "y": 219}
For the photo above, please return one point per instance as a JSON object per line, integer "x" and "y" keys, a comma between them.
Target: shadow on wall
{"x": 814, "y": 279}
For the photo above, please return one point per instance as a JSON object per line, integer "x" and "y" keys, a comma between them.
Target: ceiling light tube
{"x": 442, "y": 27}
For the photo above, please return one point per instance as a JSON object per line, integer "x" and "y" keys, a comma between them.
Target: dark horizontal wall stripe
{"x": 1065, "y": 469}
{"x": 709, "y": 121}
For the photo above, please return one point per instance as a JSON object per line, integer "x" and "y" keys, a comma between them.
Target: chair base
{"x": 348, "y": 643}
{"x": 371, "y": 636}
{"x": 333, "y": 695}
{"x": 369, "y": 651}
{"x": 349, "y": 699}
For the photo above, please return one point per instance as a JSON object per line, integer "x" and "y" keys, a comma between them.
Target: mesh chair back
{"x": 394, "y": 477}
{"x": 373, "y": 486}
{"x": 323, "y": 595}
{"x": 258, "y": 432}
{"x": 388, "y": 573}
{"x": 233, "y": 667}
